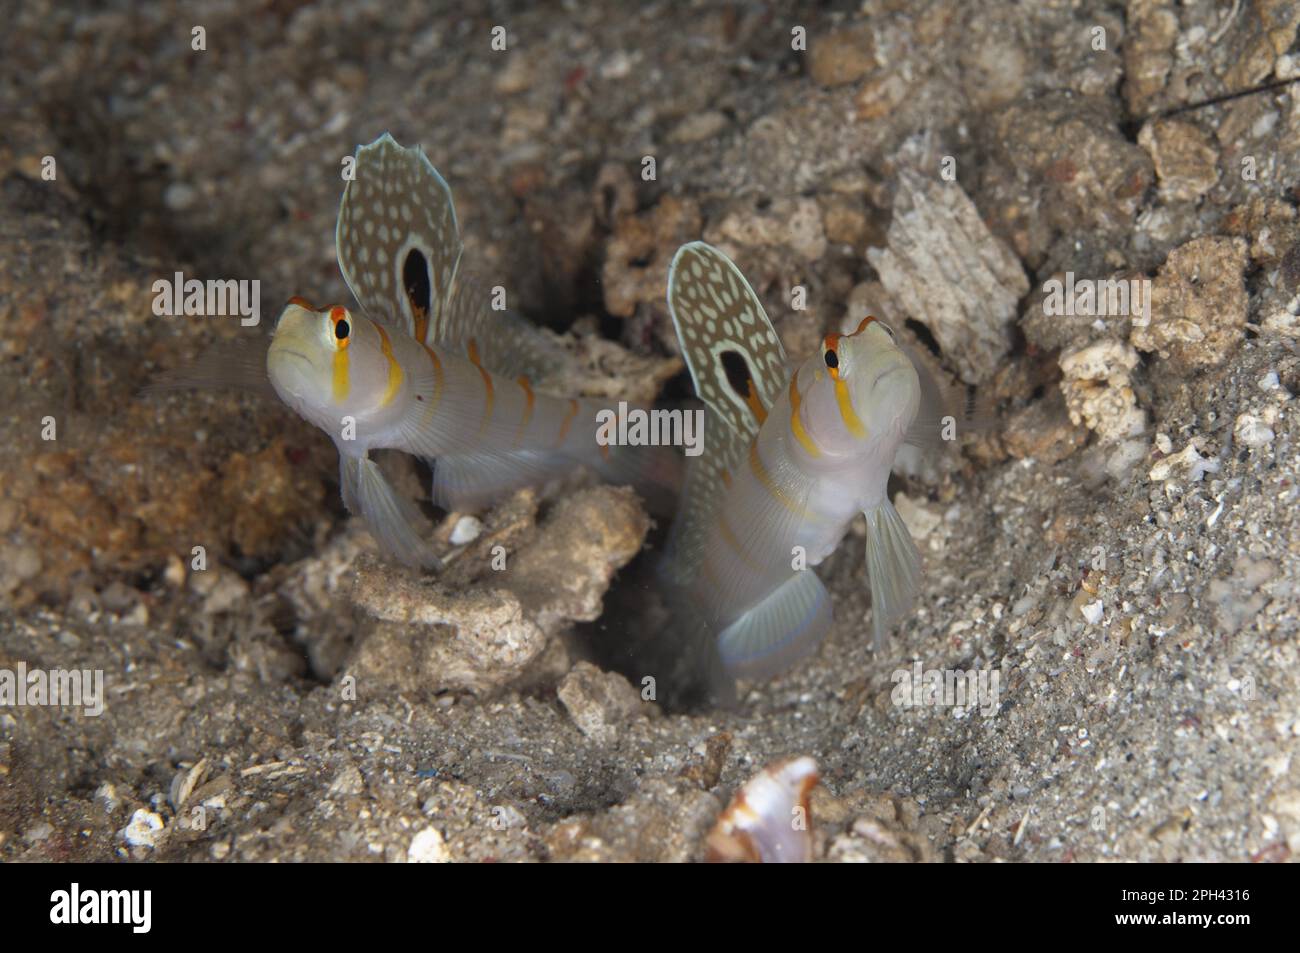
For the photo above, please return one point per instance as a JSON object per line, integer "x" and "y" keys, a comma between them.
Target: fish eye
{"x": 342, "y": 329}
{"x": 832, "y": 359}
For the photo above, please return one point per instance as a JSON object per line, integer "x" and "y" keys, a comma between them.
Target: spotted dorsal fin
{"x": 398, "y": 240}
{"x": 735, "y": 357}
{"x": 737, "y": 363}
{"x": 399, "y": 248}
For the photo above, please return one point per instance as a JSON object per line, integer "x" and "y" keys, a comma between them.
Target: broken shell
{"x": 768, "y": 820}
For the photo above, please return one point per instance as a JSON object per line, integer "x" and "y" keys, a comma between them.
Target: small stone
{"x": 1096, "y": 384}
{"x": 920, "y": 521}
{"x": 1187, "y": 464}
{"x": 957, "y": 278}
{"x": 598, "y": 701}
{"x": 698, "y": 127}
{"x": 1186, "y": 161}
{"x": 842, "y": 56}
{"x": 792, "y": 224}
{"x": 881, "y": 93}
{"x": 428, "y": 847}
{"x": 222, "y": 589}
{"x": 466, "y": 530}
{"x": 180, "y": 197}
{"x": 38, "y": 832}
{"x": 516, "y": 76}
{"x": 1092, "y": 612}
{"x": 106, "y": 797}
{"x": 1198, "y": 303}
{"x": 845, "y": 221}
{"x": 144, "y": 829}
{"x": 1252, "y": 431}
{"x": 1042, "y": 431}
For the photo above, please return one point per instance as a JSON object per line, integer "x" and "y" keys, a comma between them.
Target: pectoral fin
{"x": 893, "y": 566}
{"x": 396, "y": 522}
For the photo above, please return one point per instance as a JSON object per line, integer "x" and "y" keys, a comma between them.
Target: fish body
{"x": 427, "y": 367}
{"x": 789, "y": 460}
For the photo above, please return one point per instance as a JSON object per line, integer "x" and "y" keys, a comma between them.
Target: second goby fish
{"x": 427, "y": 367}
{"x": 788, "y": 462}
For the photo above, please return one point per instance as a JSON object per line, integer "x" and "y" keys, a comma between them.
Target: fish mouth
{"x": 278, "y": 352}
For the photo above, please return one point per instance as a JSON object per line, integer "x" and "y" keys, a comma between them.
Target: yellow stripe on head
{"x": 342, "y": 338}
{"x": 394, "y": 369}
{"x": 796, "y": 425}
{"x": 831, "y": 353}
{"x": 852, "y": 421}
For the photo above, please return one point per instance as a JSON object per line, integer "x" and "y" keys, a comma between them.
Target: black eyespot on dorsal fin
{"x": 738, "y": 374}
{"x": 415, "y": 281}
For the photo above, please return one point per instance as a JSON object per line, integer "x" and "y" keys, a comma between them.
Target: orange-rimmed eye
{"x": 830, "y": 354}
{"x": 342, "y": 326}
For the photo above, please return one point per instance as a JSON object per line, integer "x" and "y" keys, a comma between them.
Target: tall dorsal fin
{"x": 399, "y": 249}
{"x": 734, "y": 355}
{"x": 398, "y": 240}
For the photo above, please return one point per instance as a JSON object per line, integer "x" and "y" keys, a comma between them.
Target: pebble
{"x": 466, "y": 530}
{"x": 144, "y": 829}
{"x": 428, "y": 847}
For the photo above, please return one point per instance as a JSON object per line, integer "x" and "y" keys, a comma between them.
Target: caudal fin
{"x": 893, "y": 567}
{"x": 237, "y": 364}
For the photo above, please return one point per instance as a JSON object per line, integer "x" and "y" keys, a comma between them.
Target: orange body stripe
{"x": 604, "y": 447}
{"x": 302, "y": 303}
{"x": 421, "y": 323}
{"x": 796, "y": 425}
{"x": 568, "y": 422}
{"x": 437, "y": 380}
{"x": 756, "y": 405}
{"x": 529, "y": 401}
{"x": 490, "y": 394}
{"x": 765, "y": 478}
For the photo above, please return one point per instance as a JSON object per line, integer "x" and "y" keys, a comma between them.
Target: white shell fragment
{"x": 428, "y": 847}
{"x": 466, "y": 530}
{"x": 144, "y": 829}
{"x": 768, "y": 821}
{"x": 1252, "y": 430}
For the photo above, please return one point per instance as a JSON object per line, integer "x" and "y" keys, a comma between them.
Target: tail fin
{"x": 772, "y": 635}
{"x": 893, "y": 567}
{"x": 396, "y": 522}
{"x": 237, "y": 364}
{"x": 654, "y": 472}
